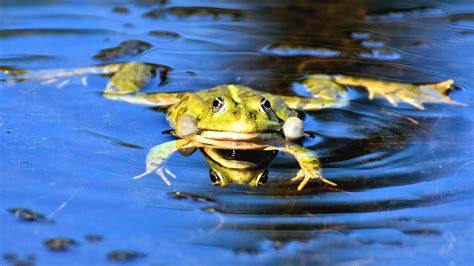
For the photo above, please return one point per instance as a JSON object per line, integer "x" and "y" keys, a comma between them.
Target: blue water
{"x": 405, "y": 176}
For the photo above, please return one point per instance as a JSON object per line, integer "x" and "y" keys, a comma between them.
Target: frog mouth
{"x": 224, "y": 135}
{"x": 239, "y": 159}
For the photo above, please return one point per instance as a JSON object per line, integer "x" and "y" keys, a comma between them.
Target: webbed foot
{"x": 399, "y": 92}
{"x": 157, "y": 156}
{"x": 309, "y": 164}
{"x": 307, "y": 175}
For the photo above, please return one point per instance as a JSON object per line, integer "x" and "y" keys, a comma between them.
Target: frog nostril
{"x": 253, "y": 115}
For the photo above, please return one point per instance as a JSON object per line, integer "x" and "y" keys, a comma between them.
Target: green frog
{"x": 239, "y": 130}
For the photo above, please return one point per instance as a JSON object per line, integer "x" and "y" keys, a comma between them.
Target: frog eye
{"x": 265, "y": 104}
{"x": 263, "y": 178}
{"x": 218, "y": 104}
{"x": 215, "y": 178}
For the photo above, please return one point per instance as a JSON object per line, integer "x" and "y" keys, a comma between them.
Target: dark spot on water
{"x": 14, "y": 260}
{"x": 164, "y": 34}
{"x": 163, "y": 75}
{"x": 299, "y": 50}
{"x": 129, "y": 145}
{"x": 60, "y": 243}
{"x": 124, "y": 255}
{"x": 190, "y": 73}
{"x": 247, "y": 250}
{"x": 191, "y": 196}
{"x": 8, "y": 132}
{"x": 29, "y": 215}
{"x": 395, "y": 243}
{"x": 113, "y": 140}
{"x": 9, "y": 256}
{"x": 128, "y": 25}
{"x": 124, "y": 50}
{"x": 168, "y": 132}
{"x": 121, "y": 10}
{"x": 420, "y": 44}
{"x": 467, "y": 33}
{"x": 422, "y": 232}
{"x": 198, "y": 12}
{"x": 463, "y": 20}
{"x": 93, "y": 238}
{"x": 405, "y": 13}
{"x": 152, "y": 2}
{"x": 51, "y": 31}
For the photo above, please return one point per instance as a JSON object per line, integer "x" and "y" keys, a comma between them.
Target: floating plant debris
{"x": 424, "y": 232}
{"x": 124, "y": 50}
{"x": 60, "y": 244}
{"x": 29, "y": 215}
{"x": 93, "y": 237}
{"x": 124, "y": 255}
{"x": 168, "y": 35}
{"x": 121, "y": 10}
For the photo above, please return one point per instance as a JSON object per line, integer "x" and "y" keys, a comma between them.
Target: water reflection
{"x": 404, "y": 194}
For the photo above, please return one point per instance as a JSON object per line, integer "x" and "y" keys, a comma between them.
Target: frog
{"x": 239, "y": 130}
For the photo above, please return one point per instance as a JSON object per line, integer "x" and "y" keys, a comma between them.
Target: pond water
{"x": 67, "y": 154}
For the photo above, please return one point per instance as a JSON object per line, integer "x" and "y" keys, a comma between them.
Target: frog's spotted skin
{"x": 228, "y": 121}
{"x": 242, "y": 110}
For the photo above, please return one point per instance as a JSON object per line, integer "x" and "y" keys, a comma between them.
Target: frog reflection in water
{"x": 240, "y": 130}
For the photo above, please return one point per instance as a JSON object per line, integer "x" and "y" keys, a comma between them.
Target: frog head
{"x": 236, "y": 112}
{"x": 230, "y": 112}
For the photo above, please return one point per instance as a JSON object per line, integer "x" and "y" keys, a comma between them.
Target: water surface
{"x": 405, "y": 191}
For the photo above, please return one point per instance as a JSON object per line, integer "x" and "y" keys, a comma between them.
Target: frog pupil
{"x": 265, "y": 103}
{"x": 214, "y": 178}
{"x": 217, "y": 103}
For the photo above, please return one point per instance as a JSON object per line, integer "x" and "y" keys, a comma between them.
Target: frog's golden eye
{"x": 218, "y": 104}
{"x": 263, "y": 178}
{"x": 265, "y": 105}
{"x": 215, "y": 178}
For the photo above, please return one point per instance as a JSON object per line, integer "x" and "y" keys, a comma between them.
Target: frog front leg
{"x": 309, "y": 163}
{"x": 157, "y": 156}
